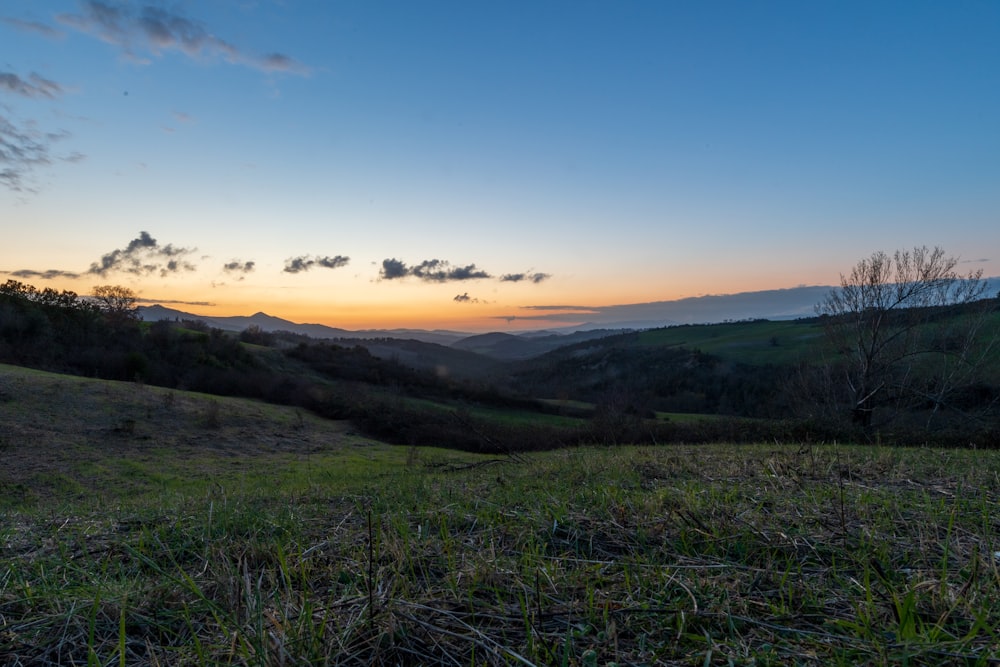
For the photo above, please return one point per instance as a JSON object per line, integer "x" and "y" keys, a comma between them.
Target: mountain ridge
{"x": 776, "y": 304}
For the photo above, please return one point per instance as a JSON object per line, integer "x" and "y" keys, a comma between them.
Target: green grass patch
{"x": 497, "y": 415}
{"x": 668, "y": 555}
{"x": 764, "y": 342}
{"x": 584, "y": 407}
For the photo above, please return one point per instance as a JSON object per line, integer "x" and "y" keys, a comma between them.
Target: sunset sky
{"x": 488, "y": 165}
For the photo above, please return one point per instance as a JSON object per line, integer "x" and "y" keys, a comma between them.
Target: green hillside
{"x": 757, "y": 342}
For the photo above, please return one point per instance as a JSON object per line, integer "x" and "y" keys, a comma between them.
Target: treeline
{"x": 64, "y": 332}
{"x": 626, "y": 383}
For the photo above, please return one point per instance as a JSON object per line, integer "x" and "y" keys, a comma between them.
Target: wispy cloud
{"x": 306, "y": 262}
{"x": 143, "y": 30}
{"x": 574, "y": 309}
{"x": 431, "y": 270}
{"x": 174, "y": 302}
{"x": 35, "y": 86}
{"x": 24, "y": 148}
{"x": 521, "y": 277}
{"x": 770, "y": 304}
{"x": 33, "y": 26}
{"x": 144, "y": 256}
{"x": 44, "y": 275}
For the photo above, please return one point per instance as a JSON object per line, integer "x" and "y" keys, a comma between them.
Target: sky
{"x": 481, "y": 166}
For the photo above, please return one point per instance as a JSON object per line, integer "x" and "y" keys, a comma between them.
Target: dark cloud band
{"x": 431, "y": 270}
{"x": 237, "y": 266}
{"x": 521, "y": 277}
{"x": 306, "y": 262}
{"x": 51, "y": 274}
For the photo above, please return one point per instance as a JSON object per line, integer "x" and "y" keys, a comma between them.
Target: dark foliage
{"x": 625, "y": 382}
{"x": 658, "y": 379}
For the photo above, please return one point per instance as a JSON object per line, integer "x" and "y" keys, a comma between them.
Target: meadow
{"x": 143, "y": 525}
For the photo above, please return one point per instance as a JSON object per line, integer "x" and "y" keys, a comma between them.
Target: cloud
{"x": 279, "y": 62}
{"x": 23, "y": 148}
{"x": 520, "y": 277}
{"x": 431, "y": 270}
{"x": 44, "y": 275}
{"x": 306, "y": 262}
{"x": 148, "y": 29}
{"x": 465, "y": 298}
{"x": 575, "y": 309}
{"x": 332, "y": 262}
{"x": 174, "y": 301}
{"x": 35, "y": 86}
{"x": 33, "y": 26}
{"x": 392, "y": 269}
{"x": 768, "y": 304}
{"x": 144, "y": 256}
{"x": 237, "y": 266}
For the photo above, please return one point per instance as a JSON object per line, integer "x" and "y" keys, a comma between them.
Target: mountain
{"x": 779, "y": 304}
{"x": 270, "y": 323}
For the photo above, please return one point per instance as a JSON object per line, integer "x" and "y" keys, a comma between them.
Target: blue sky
{"x": 456, "y": 164}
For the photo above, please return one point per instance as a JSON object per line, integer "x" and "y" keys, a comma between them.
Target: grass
{"x": 320, "y": 547}
{"x": 493, "y": 414}
{"x": 584, "y": 407}
{"x": 763, "y": 342}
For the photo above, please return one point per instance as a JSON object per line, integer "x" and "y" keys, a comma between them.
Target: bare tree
{"x": 908, "y": 330}
{"x": 117, "y": 303}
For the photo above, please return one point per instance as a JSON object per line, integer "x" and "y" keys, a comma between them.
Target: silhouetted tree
{"x": 117, "y": 303}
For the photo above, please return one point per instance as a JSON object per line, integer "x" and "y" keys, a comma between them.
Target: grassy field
{"x": 764, "y": 342}
{"x": 143, "y": 526}
{"x": 585, "y": 407}
{"x": 500, "y": 415}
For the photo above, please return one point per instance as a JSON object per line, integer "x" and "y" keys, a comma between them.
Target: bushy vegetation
{"x": 642, "y": 378}
{"x": 765, "y": 385}
{"x": 72, "y": 334}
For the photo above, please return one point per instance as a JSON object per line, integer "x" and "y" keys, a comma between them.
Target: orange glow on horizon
{"x": 363, "y": 305}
